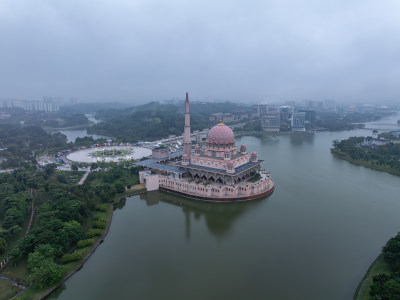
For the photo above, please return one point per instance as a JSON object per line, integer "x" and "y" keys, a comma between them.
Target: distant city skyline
{"x": 259, "y": 51}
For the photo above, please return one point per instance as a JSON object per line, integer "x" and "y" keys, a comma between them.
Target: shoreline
{"x": 365, "y": 278}
{"x": 345, "y": 156}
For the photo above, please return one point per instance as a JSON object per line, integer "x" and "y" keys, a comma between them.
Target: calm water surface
{"x": 72, "y": 134}
{"x": 313, "y": 238}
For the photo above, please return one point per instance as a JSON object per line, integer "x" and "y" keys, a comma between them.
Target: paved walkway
{"x": 14, "y": 283}
{"x": 32, "y": 215}
{"x": 84, "y": 177}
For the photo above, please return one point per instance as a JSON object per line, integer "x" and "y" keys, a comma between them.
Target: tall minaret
{"x": 187, "y": 145}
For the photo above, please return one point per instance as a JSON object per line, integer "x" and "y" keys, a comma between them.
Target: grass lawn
{"x": 7, "y": 290}
{"x": 19, "y": 272}
{"x": 379, "y": 267}
{"x": 127, "y": 178}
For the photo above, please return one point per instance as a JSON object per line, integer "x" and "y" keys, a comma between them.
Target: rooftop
{"x": 155, "y": 163}
{"x": 238, "y": 170}
{"x": 220, "y": 158}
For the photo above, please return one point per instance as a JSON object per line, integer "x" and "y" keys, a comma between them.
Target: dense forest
{"x": 387, "y": 286}
{"x": 155, "y": 120}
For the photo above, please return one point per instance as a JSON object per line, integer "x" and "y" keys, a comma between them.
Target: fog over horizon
{"x": 246, "y": 51}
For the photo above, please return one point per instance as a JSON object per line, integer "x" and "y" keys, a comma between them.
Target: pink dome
{"x": 254, "y": 154}
{"x": 227, "y": 151}
{"x": 243, "y": 146}
{"x": 185, "y": 156}
{"x": 230, "y": 163}
{"x": 197, "y": 147}
{"x": 221, "y": 134}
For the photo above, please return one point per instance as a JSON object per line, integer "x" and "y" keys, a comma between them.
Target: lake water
{"x": 74, "y": 133}
{"x": 313, "y": 238}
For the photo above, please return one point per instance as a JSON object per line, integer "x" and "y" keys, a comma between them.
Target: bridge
{"x": 379, "y": 126}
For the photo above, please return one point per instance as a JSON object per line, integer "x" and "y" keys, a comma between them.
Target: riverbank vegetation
{"x": 382, "y": 280}
{"x": 69, "y": 220}
{"x": 382, "y": 158}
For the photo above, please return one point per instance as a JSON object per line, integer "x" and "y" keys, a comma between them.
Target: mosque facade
{"x": 220, "y": 172}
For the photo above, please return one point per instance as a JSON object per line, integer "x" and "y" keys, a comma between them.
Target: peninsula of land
{"x": 381, "y": 153}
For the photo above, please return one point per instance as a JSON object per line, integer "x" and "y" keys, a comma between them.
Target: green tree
{"x": 46, "y": 274}
{"x": 119, "y": 187}
{"x": 391, "y": 253}
{"x": 42, "y": 252}
{"x": 43, "y": 270}
{"x": 385, "y": 287}
{"x": 74, "y": 167}
{"x": 70, "y": 233}
{"x": 3, "y": 245}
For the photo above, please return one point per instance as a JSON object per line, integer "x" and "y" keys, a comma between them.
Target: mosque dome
{"x": 230, "y": 163}
{"x": 254, "y": 154}
{"x": 197, "y": 147}
{"x": 221, "y": 134}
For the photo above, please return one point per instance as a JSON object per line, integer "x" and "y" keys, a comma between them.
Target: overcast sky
{"x": 141, "y": 50}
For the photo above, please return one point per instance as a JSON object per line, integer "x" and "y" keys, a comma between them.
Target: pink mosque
{"x": 218, "y": 173}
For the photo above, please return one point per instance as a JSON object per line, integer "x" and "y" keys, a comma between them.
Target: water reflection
{"x": 151, "y": 198}
{"x": 269, "y": 139}
{"x": 298, "y": 139}
{"x": 120, "y": 204}
{"x": 219, "y": 217}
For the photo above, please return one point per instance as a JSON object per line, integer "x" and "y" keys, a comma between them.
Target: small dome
{"x": 197, "y": 147}
{"x": 221, "y": 134}
{"x": 254, "y": 154}
{"x": 227, "y": 151}
{"x": 230, "y": 163}
{"x": 185, "y": 156}
{"x": 243, "y": 146}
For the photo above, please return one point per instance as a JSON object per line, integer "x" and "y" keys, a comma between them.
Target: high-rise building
{"x": 298, "y": 121}
{"x": 271, "y": 121}
{"x": 310, "y": 116}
